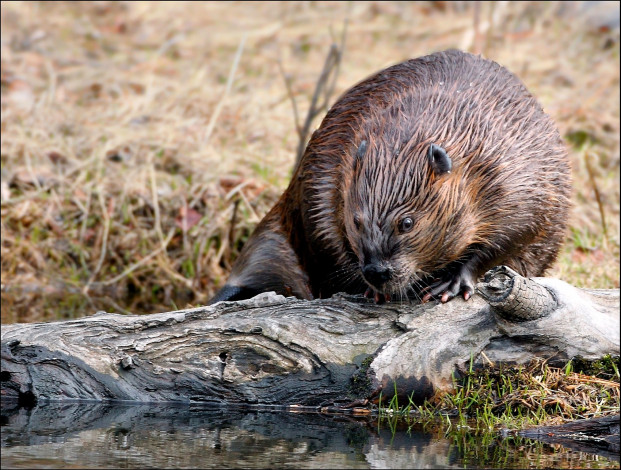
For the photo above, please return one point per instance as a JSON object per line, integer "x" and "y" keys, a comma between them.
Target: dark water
{"x": 153, "y": 436}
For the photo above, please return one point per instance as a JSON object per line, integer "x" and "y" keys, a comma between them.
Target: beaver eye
{"x": 406, "y": 224}
{"x": 357, "y": 222}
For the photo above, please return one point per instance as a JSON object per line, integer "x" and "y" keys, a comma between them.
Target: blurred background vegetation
{"x": 142, "y": 142}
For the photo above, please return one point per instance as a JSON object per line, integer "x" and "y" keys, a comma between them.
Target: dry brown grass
{"x": 533, "y": 394}
{"x": 123, "y": 156}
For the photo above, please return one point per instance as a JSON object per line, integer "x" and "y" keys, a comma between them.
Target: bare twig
{"x": 294, "y": 105}
{"x": 332, "y": 59}
{"x": 589, "y": 167}
{"x": 324, "y": 89}
{"x": 237, "y": 190}
{"x": 232, "y": 230}
{"x": 341, "y": 49}
{"x": 104, "y": 241}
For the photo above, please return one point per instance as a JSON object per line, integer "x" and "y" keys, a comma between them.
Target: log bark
{"x": 336, "y": 352}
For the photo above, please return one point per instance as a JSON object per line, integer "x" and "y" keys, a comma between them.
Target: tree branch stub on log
{"x": 272, "y": 350}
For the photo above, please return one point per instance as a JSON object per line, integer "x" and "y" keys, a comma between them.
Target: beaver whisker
{"x": 428, "y": 185}
{"x": 345, "y": 275}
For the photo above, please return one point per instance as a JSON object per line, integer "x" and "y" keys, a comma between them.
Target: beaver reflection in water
{"x": 419, "y": 179}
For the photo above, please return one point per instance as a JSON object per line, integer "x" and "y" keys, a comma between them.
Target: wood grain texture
{"x": 272, "y": 350}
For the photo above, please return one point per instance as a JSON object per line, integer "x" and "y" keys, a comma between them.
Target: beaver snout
{"x": 376, "y": 275}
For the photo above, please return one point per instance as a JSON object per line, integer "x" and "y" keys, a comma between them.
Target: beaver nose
{"x": 375, "y": 274}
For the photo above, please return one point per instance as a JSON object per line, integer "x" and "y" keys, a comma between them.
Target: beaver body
{"x": 419, "y": 179}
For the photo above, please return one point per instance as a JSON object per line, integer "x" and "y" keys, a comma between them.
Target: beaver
{"x": 418, "y": 180}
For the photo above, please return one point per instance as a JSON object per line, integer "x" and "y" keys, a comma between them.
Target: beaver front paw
{"x": 378, "y": 296}
{"x": 449, "y": 286}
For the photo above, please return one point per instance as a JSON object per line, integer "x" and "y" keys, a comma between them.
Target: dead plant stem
{"x": 143, "y": 261}
{"x": 104, "y": 241}
{"x": 229, "y": 84}
{"x": 598, "y": 198}
{"x": 156, "y": 205}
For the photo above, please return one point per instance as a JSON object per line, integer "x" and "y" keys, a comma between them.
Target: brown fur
{"x": 505, "y": 200}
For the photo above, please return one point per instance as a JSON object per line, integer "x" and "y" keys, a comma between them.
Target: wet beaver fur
{"x": 419, "y": 179}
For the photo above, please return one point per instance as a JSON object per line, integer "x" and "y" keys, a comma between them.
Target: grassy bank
{"x": 488, "y": 407}
{"x": 137, "y": 153}
{"x": 521, "y": 396}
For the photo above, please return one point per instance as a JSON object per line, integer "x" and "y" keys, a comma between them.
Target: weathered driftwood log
{"x": 329, "y": 352}
{"x": 595, "y": 435}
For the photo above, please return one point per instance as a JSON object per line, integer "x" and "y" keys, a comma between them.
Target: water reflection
{"x": 61, "y": 435}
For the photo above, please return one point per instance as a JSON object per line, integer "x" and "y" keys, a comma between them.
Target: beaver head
{"x": 407, "y": 212}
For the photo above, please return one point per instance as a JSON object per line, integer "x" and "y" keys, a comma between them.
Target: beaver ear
{"x": 362, "y": 149}
{"x": 439, "y": 160}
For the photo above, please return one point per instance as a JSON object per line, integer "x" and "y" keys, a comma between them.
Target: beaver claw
{"x": 449, "y": 287}
{"x": 379, "y": 297}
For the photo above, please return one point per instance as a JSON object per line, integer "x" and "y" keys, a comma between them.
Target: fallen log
{"x": 334, "y": 352}
{"x": 596, "y": 435}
